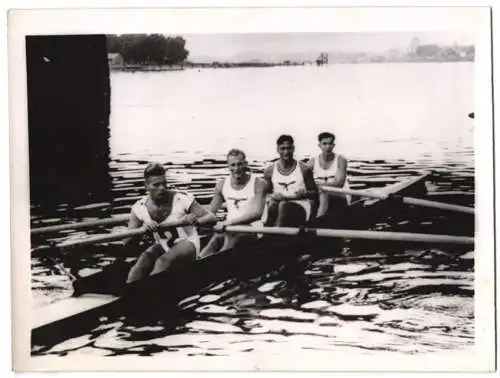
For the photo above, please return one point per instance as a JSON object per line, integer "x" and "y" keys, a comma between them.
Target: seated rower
{"x": 330, "y": 169}
{"x": 161, "y": 205}
{"x": 293, "y": 199}
{"x": 244, "y": 196}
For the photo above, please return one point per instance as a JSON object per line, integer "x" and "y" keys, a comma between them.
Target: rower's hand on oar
{"x": 190, "y": 219}
{"x": 152, "y": 226}
{"x": 301, "y": 193}
{"x": 278, "y": 197}
{"x": 220, "y": 227}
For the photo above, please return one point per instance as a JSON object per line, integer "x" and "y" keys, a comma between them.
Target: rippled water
{"x": 392, "y": 121}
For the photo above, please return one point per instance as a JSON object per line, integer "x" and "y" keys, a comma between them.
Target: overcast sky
{"x": 262, "y": 46}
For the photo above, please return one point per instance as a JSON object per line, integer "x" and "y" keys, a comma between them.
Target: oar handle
{"x": 407, "y": 200}
{"x": 119, "y": 219}
{"x": 354, "y": 234}
{"x": 116, "y": 236}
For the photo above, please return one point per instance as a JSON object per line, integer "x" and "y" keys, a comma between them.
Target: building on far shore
{"x": 414, "y": 44}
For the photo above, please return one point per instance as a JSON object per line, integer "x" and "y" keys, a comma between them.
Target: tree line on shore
{"x": 148, "y": 48}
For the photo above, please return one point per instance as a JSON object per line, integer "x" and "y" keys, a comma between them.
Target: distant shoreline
{"x": 179, "y": 67}
{"x": 217, "y": 65}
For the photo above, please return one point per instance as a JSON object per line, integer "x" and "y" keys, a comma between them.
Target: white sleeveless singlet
{"x": 180, "y": 207}
{"x": 326, "y": 176}
{"x": 238, "y": 201}
{"x": 290, "y": 184}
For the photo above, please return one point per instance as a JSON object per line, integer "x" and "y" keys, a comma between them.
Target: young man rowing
{"x": 294, "y": 195}
{"x": 244, "y": 196}
{"x": 178, "y": 244}
{"x": 330, "y": 169}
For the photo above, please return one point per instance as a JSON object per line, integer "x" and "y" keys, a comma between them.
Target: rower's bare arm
{"x": 341, "y": 174}
{"x": 256, "y": 207}
{"x": 201, "y": 215}
{"x": 309, "y": 181}
{"x": 310, "y": 163}
{"x": 218, "y": 199}
{"x": 268, "y": 173}
{"x": 311, "y": 191}
{"x": 312, "y": 188}
{"x": 133, "y": 223}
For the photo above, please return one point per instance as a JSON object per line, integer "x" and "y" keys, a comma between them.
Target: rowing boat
{"x": 105, "y": 294}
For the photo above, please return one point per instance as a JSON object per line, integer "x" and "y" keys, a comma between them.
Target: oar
{"x": 353, "y": 234}
{"x": 87, "y": 224}
{"x": 113, "y": 236}
{"x": 102, "y": 238}
{"x": 119, "y": 219}
{"x": 407, "y": 200}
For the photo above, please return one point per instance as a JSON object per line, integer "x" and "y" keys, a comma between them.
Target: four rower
{"x": 290, "y": 186}
{"x": 330, "y": 169}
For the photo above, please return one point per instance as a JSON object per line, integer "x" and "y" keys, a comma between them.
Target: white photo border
{"x": 252, "y": 20}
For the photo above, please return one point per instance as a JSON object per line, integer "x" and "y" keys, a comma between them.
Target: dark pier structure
{"x": 68, "y": 119}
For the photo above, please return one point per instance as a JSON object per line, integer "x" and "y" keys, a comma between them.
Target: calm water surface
{"x": 391, "y": 121}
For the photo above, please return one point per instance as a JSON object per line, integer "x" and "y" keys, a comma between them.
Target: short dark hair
{"x": 154, "y": 169}
{"x": 236, "y": 152}
{"x": 326, "y": 135}
{"x": 284, "y": 138}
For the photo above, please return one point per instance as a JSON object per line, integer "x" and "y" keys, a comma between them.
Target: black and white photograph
{"x": 253, "y": 197}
